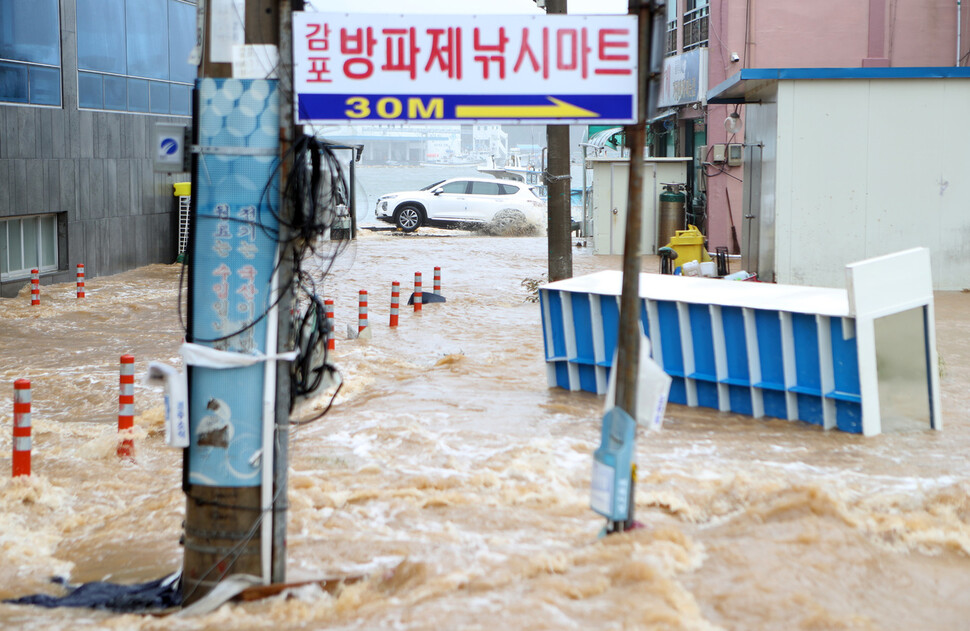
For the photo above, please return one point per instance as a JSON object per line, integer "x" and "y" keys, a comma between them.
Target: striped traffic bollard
{"x": 437, "y": 280}
{"x": 21, "y": 427}
{"x": 328, "y": 311}
{"x": 34, "y": 287}
{"x": 80, "y": 280}
{"x": 417, "y": 291}
{"x": 362, "y": 311}
{"x": 126, "y": 404}
{"x": 395, "y": 301}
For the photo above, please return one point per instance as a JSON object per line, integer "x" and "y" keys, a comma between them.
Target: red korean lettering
{"x": 248, "y": 292}
{"x": 319, "y": 37}
{"x": 319, "y": 72}
{"x": 491, "y": 48}
{"x": 358, "y": 42}
{"x": 447, "y": 53}
{"x": 318, "y": 40}
{"x": 222, "y": 272}
{"x": 572, "y": 50}
{"x": 221, "y": 290}
{"x": 247, "y": 272}
{"x": 604, "y": 44}
{"x": 526, "y": 53}
{"x": 401, "y": 48}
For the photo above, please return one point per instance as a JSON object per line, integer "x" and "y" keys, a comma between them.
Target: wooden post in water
{"x": 556, "y": 176}
{"x": 628, "y": 345}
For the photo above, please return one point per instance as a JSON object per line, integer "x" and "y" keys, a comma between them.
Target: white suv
{"x": 463, "y": 202}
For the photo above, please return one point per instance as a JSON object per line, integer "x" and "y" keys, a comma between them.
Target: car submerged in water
{"x": 498, "y": 206}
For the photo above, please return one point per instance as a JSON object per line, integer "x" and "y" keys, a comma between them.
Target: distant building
{"x": 82, "y": 84}
{"x": 709, "y": 42}
{"x": 414, "y": 144}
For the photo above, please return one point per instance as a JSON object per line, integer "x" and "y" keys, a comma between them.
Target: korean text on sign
{"x": 397, "y": 65}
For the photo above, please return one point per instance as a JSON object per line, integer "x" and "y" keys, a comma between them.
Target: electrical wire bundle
{"x": 314, "y": 187}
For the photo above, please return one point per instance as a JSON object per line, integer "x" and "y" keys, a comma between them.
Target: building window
{"x": 132, "y": 55}
{"x": 27, "y": 243}
{"x": 30, "y": 52}
{"x": 695, "y": 23}
{"x": 671, "y": 45}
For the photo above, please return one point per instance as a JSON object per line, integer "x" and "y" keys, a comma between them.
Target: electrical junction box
{"x": 719, "y": 154}
{"x": 735, "y": 154}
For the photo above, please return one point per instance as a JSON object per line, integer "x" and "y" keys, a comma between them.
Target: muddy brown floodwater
{"x": 448, "y": 458}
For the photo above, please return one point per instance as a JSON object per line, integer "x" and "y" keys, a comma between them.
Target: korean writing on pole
{"x": 242, "y": 241}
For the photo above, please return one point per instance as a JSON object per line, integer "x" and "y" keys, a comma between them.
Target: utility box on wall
{"x": 611, "y": 182}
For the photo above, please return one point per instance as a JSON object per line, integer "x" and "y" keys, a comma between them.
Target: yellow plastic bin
{"x": 689, "y": 245}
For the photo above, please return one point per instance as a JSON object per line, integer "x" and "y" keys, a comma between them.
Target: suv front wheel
{"x": 407, "y": 218}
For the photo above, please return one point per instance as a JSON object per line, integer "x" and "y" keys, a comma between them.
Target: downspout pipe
{"x": 959, "y": 25}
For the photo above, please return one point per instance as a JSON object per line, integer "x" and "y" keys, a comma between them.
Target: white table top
{"x": 729, "y": 293}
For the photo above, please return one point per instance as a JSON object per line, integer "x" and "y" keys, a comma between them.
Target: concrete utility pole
{"x": 559, "y": 223}
{"x": 288, "y": 255}
{"x": 228, "y": 518}
{"x": 628, "y": 346}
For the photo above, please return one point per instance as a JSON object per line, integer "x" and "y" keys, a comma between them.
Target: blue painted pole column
{"x": 235, "y": 236}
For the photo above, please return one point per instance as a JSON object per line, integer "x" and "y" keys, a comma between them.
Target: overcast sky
{"x": 444, "y": 7}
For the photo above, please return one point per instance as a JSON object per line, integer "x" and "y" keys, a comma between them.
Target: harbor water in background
{"x": 450, "y": 473}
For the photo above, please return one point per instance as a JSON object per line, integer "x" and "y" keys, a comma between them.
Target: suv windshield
{"x": 431, "y": 186}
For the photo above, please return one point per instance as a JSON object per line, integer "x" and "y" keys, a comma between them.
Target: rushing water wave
{"x": 450, "y": 473}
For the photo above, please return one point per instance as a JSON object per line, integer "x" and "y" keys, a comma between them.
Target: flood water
{"x": 451, "y": 473}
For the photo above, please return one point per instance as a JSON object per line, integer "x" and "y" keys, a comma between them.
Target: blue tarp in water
{"x": 159, "y": 594}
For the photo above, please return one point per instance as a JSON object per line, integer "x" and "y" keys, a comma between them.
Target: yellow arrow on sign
{"x": 559, "y": 109}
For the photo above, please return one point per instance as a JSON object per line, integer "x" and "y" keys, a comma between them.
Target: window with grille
{"x": 695, "y": 23}
{"x": 27, "y": 243}
{"x": 671, "y": 19}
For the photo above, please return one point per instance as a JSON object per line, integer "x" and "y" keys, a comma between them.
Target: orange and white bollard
{"x": 126, "y": 404}
{"x": 34, "y": 287}
{"x": 328, "y": 311}
{"x": 437, "y": 280}
{"x": 362, "y": 311}
{"x": 80, "y": 280}
{"x": 417, "y": 291}
{"x": 21, "y": 427}
{"x": 395, "y": 301}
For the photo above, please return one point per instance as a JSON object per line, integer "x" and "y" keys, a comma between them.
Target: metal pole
{"x": 559, "y": 222}
{"x": 352, "y": 185}
{"x": 628, "y": 347}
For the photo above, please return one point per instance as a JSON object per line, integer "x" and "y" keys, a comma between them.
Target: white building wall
{"x": 869, "y": 167}
{"x": 762, "y": 172}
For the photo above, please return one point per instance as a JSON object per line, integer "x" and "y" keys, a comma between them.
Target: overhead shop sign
{"x": 535, "y": 69}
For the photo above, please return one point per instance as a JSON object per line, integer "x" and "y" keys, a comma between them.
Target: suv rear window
{"x": 485, "y": 188}
{"x": 507, "y": 189}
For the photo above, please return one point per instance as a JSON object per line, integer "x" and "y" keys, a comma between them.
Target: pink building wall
{"x": 816, "y": 34}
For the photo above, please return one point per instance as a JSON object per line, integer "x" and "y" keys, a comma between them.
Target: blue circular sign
{"x": 170, "y": 146}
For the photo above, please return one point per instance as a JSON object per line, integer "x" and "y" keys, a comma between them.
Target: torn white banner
{"x": 176, "y": 402}
{"x": 199, "y": 355}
